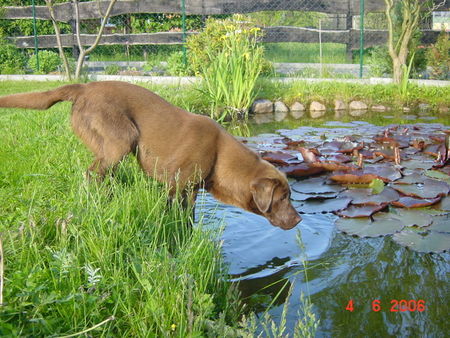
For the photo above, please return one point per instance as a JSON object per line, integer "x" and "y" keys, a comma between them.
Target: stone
{"x": 262, "y": 106}
{"x": 443, "y": 109}
{"x": 297, "y": 106}
{"x": 316, "y": 106}
{"x": 358, "y": 105}
{"x": 339, "y": 105}
{"x": 378, "y": 107}
{"x": 280, "y": 107}
{"x": 406, "y": 109}
{"x": 280, "y": 116}
{"x": 315, "y": 114}
{"x": 263, "y": 118}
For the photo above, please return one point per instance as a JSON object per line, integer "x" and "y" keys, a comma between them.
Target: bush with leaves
{"x": 438, "y": 57}
{"x": 12, "y": 61}
{"x": 48, "y": 62}
{"x": 228, "y": 57}
{"x": 176, "y": 66}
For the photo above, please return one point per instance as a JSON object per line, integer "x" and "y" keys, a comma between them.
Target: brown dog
{"x": 114, "y": 119}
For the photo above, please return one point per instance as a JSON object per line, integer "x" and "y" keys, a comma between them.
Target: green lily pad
{"x": 430, "y": 242}
{"x": 444, "y": 204}
{"x": 440, "y": 224}
{"x": 321, "y": 206}
{"x": 366, "y": 197}
{"x": 429, "y": 189}
{"x": 354, "y": 211}
{"x": 438, "y": 175}
{"x": 412, "y": 217}
{"x": 382, "y": 224}
{"x": 316, "y": 185}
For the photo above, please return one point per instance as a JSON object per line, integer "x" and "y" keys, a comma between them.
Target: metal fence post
{"x": 183, "y": 23}
{"x": 36, "y": 49}
{"x": 361, "y": 37}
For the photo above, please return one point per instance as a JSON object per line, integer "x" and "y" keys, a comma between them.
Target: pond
{"x": 388, "y": 282}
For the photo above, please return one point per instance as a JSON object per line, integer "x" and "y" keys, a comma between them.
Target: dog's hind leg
{"x": 110, "y": 137}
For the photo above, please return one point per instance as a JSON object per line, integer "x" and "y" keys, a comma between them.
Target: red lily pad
{"x": 430, "y": 242}
{"x": 354, "y": 177}
{"x": 411, "y": 202}
{"x": 354, "y": 211}
{"x": 278, "y": 157}
{"x": 301, "y": 170}
{"x": 367, "y": 197}
{"x": 309, "y": 155}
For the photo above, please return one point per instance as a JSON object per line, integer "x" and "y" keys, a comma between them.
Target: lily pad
{"x": 321, "y": 206}
{"x": 365, "y": 227}
{"x": 413, "y": 217}
{"x": 429, "y": 189}
{"x": 301, "y": 170}
{"x": 366, "y": 196}
{"x": 297, "y": 196}
{"x": 441, "y": 224}
{"x": 430, "y": 242}
{"x": 411, "y": 202}
{"x": 444, "y": 204}
{"x": 355, "y": 211}
{"x": 315, "y": 185}
{"x": 278, "y": 157}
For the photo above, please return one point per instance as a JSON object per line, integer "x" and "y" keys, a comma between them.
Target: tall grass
{"x": 109, "y": 259}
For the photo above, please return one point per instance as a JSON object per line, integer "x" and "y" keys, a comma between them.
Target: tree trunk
{"x": 397, "y": 70}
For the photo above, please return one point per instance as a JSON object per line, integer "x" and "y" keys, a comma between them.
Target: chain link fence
{"x": 309, "y": 38}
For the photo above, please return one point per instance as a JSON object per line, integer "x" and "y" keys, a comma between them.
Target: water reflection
{"x": 265, "y": 259}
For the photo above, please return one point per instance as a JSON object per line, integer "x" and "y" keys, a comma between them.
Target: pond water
{"x": 265, "y": 261}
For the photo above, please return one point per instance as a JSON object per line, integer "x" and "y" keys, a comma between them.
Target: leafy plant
{"x": 48, "y": 62}
{"x": 230, "y": 61}
{"x": 112, "y": 69}
{"x": 175, "y": 65}
{"x": 438, "y": 57}
{"x": 12, "y": 61}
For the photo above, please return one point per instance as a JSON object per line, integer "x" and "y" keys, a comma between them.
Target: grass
{"x": 109, "y": 259}
{"x": 78, "y": 254}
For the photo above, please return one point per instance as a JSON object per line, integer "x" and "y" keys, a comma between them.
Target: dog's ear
{"x": 262, "y": 190}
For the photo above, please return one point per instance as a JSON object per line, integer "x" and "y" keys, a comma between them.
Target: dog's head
{"x": 270, "y": 197}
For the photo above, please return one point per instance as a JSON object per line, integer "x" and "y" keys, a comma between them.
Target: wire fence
{"x": 309, "y": 38}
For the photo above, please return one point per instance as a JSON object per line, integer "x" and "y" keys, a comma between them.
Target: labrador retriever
{"x": 115, "y": 118}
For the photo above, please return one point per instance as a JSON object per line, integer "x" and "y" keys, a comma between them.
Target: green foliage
{"x": 228, "y": 58}
{"x": 112, "y": 69}
{"x": 287, "y": 18}
{"x": 176, "y": 67}
{"x": 49, "y": 61}
{"x": 12, "y": 61}
{"x": 438, "y": 57}
{"x": 380, "y": 62}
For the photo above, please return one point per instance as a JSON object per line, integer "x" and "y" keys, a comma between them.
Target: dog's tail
{"x": 42, "y": 100}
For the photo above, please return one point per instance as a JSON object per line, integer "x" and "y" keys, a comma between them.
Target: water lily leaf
{"x": 429, "y": 189}
{"x": 278, "y": 157}
{"x": 430, "y": 242}
{"x": 444, "y": 204}
{"x": 441, "y": 224}
{"x": 377, "y": 186}
{"x": 333, "y": 166}
{"x": 354, "y": 211}
{"x": 315, "y": 185}
{"x": 297, "y": 196}
{"x": 413, "y": 217}
{"x": 365, "y": 227}
{"x": 301, "y": 170}
{"x": 354, "y": 177}
{"x": 413, "y": 178}
{"x": 367, "y": 197}
{"x": 411, "y": 202}
{"x": 418, "y": 163}
{"x": 322, "y": 206}
{"x": 309, "y": 155}
{"x": 438, "y": 175}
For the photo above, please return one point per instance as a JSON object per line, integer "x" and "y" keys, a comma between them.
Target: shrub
{"x": 48, "y": 62}
{"x": 12, "y": 61}
{"x": 438, "y": 57}
{"x": 175, "y": 65}
{"x": 228, "y": 58}
{"x": 381, "y": 63}
{"x": 112, "y": 70}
